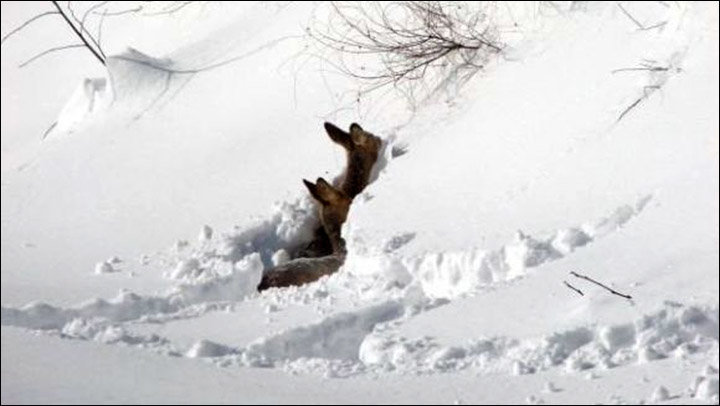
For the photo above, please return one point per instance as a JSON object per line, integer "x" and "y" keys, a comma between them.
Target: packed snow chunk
{"x": 616, "y": 337}
{"x": 534, "y": 400}
{"x": 617, "y": 219}
{"x": 290, "y": 227}
{"x": 336, "y": 337}
{"x": 186, "y": 269}
{"x": 449, "y": 274}
{"x": 708, "y": 389}
{"x": 519, "y": 368}
{"x": 206, "y": 233}
{"x": 401, "y": 353}
{"x": 565, "y": 241}
{"x": 377, "y": 350}
{"x": 180, "y": 245}
{"x": 527, "y": 252}
{"x": 236, "y": 282}
{"x": 35, "y": 315}
{"x": 660, "y": 394}
{"x": 208, "y": 349}
{"x": 448, "y": 358}
{"x": 92, "y": 330}
{"x": 104, "y": 267}
{"x": 89, "y": 97}
{"x": 280, "y": 257}
{"x": 550, "y": 388}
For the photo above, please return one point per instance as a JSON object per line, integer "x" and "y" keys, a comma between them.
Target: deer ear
{"x": 314, "y": 190}
{"x": 357, "y": 134}
{"x": 320, "y": 182}
{"x": 337, "y": 135}
{"x": 327, "y": 191}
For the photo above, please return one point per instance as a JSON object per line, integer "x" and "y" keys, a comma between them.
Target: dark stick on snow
{"x": 78, "y": 33}
{"x": 628, "y": 108}
{"x": 574, "y": 288}
{"x": 611, "y": 290}
{"x": 640, "y": 26}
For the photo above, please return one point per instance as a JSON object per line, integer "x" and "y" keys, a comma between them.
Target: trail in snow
{"x": 352, "y": 341}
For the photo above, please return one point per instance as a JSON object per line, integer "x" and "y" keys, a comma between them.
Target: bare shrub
{"x": 414, "y": 46}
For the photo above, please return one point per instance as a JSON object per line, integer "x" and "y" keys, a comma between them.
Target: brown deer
{"x": 334, "y": 207}
{"x": 327, "y": 250}
{"x": 362, "y": 149}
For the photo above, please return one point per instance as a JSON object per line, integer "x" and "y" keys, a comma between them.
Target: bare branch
{"x": 611, "y": 290}
{"x": 119, "y": 12}
{"x": 49, "y": 51}
{"x": 78, "y": 33}
{"x": 84, "y": 30}
{"x": 26, "y": 23}
{"x": 171, "y": 8}
{"x": 648, "y": 68}
{"x": 640, "y": 26}
{"x": 574, "y": 288}
{"x": 407, "y": 42}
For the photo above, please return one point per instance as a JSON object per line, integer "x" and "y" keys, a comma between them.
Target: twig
{"x": 84, "y": 30}
{"x": 49, "y": 51}
{"x": 172, "y": 8}
{"x": 649, "y": 68}
{"x": 642, "y": 27}
{"x": 628, "y": 108}
{"x": 119, "y": 12}
{"x": 658, "y": 25}
{"x": 87, "y": 45}
{"x": 611, "y": 290}
{"x": 573, "y": 288}
{"x": 45, "y": 134}
{"x": 26, "y": 23}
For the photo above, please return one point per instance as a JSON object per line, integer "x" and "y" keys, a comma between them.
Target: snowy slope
{"x": 482, "y": 204}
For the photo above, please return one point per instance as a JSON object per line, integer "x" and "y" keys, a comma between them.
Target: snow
{"x": 559, "y": 159}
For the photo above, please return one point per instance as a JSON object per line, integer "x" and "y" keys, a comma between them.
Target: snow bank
{"x": 135, "y": 83}
{"x": 336, "y": 337}
{"x": 453, "y": 273}
{"x": 230, "y": 283}
{"x": 208, "y": 349}
{"x": 674, "y": 331}
{"x": 289, "y": 226}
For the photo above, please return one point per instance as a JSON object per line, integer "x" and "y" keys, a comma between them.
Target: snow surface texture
{"x": 460, "y": 252}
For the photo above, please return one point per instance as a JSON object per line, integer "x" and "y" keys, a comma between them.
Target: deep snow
{"x": 157, "y": 183}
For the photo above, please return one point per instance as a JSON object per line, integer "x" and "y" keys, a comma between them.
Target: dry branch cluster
{"x": 86, "y": 19}
{"x": 409, "y": 43}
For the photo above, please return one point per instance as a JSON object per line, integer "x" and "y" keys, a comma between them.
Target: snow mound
{"x": 674, "y": 331}
{"x": 135, "y": 83}
{"x": 236, "y": 282}
{"x": 208, "y": 349}
{"x": 336, "y": 337}
{"x": 104, "y": 267}
{"x": 91, "y": 96}
{"x": 290, "y": 225}
{"x": 101, "y": 331}
{"x": 453, "y": 273}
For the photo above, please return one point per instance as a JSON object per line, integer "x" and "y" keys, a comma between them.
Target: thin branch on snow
{"x": 49, "y": 51}
{"x": 574, "y": 288}
{"x": 78, "y": 33}
{"x": 407, "y": 42}
{"x": 26, "y": 23}
{"x": 648, "y": 68}
{"x": 119, "y": 12}
{"x": 634, "y": 20}
{"x": 611, "y": 290}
